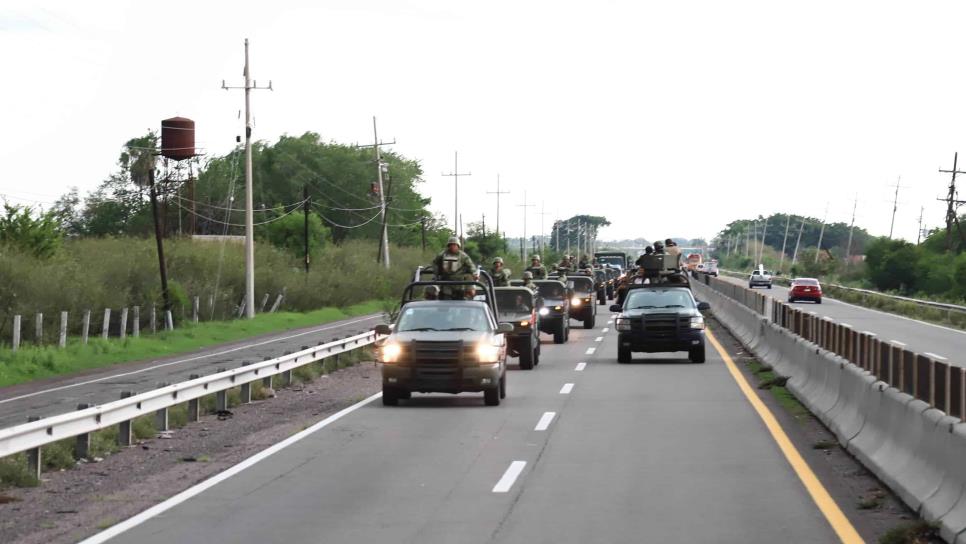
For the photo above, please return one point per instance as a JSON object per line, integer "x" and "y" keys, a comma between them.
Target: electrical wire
{"x": 213, "y": 220}
{"x": 239, "y": 210}
{"x": 333, "y": 223}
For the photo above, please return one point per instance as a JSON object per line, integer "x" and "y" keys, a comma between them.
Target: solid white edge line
{"x": 192, "y": 491}
{"x": 590, "y": 351}
{"x": 545, "y": 421}
{"x": 580, "y": 367}
{"x": 188, "y": 360}
{"x": 599, "y": 339}
{"x": 898, "y": 343}
{"x": 509, "y": 477}
{"x": 934, "y": 356}
{"x": 566, "y": 389}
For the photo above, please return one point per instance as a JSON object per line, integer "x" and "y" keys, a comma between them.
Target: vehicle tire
{"x": 590, "y": 322}
{"x": 503, "y": 386}
{"x": 602, "y": 298}
{"x": 769, "y": 286}
{"x": 751, "y": 286}
{"x": 559, "y": 335}
{"x": 390, "y": 397}
{"x": 491, "y": 397}
{"x": 623, "y": 355}
{"x": 696, "y": 355}
{"x": 527, "y": 356}
{"x": 404, "y": 395}
{"x": 567, "y": 331}
{"x": 818, "y": 301}
{"x": 791, "y": 300}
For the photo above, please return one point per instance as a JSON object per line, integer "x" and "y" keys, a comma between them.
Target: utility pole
{"x": 305, "y": 209}
{"x": 381, "y": 170}
{"x": 249, "y": 212}
{"x": 922, "y": 209}
{"x": 455, "y": 174}
{"x": 895, "y": 206}
{"x": 568, "y": 237}
{"x": 952, "y": 203}
{"x": 821, "y": 234}
{"x": 165, "y": 294}
{"x": 848, "y": 247}
{"x": 761, "y": 247}
{"x": 543, "y": 214}
{"x": 498, "y": 194}
{"x": 578, "y": 238}
{"x": 483, "y": 223}
{"x": 525, "y": 205}
{"x": 781, "y": 261}
{"x": 798, "y": 242}
{"x": 422, "y": 228}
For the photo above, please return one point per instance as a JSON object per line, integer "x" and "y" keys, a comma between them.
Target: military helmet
{"x": 535, "y": 257}
{"x": 434, "y": 289}
{"x": 498, "y": 260}
{"x": 658, "y": 245}
{"x": 528, "y": 275}
{"x": 454, "y": 240}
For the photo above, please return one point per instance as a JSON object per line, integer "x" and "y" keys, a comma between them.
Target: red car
{"x": 805, "y": 289}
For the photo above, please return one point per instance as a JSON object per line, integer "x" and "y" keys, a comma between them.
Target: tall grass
{"x": 93, "y": 274}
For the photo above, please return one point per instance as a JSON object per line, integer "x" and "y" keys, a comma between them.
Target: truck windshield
{"x": 615, "y": 260}
{"x": 653, "y": 298}
{"x": 552, "y": 290}
{"x": 583, "y": 286}
{"x": 514, "y": 302}
{"x": 442, "y": 318}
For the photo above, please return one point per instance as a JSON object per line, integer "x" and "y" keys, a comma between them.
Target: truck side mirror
{"x": 505, "y": 327}
{"x": 615, "y": 307}
{"x": 704, "y": 306}
{"x": 382, "y": 329}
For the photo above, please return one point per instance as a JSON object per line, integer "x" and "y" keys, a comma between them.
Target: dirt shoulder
{"x": 73, "y": 504}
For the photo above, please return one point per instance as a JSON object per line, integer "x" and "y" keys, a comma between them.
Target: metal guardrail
{"x": 31, "y": 436}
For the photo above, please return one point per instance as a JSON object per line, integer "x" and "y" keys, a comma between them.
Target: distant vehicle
{"x": 711, "y": 268}
{"x": 613, "y": 258}
{"x": 658, "y": 318}
{"x": 693, "y": 260}
{"x": 759, "y": 278}
{"x": 805, "y": 289}
{"x": 519, "y": 307}
{"x": 555, "y": 313}
{"x": 701, "y": 268}
{"x": 444, "y": 346}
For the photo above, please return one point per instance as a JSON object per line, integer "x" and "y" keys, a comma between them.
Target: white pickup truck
{"x": 759, "y": 278}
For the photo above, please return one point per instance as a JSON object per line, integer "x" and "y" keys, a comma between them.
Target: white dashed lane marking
{"x": 566, "y": 389}
{"x": 599, "y": 339}
{"x": 580, "y": 367}
{"x": 545, "y": 421}
{"x": 509, "y": 477}
{"x": 590, "y": 351}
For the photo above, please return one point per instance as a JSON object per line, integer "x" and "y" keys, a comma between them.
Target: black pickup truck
{"x": 659, "y": 318}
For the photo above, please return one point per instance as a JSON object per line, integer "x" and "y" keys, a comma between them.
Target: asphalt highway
{"x": 942, "y": 343}
{"x": 60, "y": 395}
{"x": 581, "y": 450}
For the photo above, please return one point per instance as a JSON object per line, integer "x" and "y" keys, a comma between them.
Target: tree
{"x": 38, "y": 234}
{"x": 892, "y": 264}
{"x": 288, "y": 233}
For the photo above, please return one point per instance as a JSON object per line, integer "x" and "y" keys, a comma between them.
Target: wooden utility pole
{"x": 523, "y": 241}
{"x": 456, "y": 174}
{"x": 381, "y": 170}
{"x": 821, "y": 234}
{"x": 305, "y": 209}
{"x": 922, "y": 210}
{"x": 165, "y": 294}
{"x": 895, "y": 206}
{"x": 798, "y": 242}
{"x": 848, "y": 247}
{"x": 781, "y": 261}
{"x": 952, "y": 204}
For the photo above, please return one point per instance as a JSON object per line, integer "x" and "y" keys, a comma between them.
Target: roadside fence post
{"x": 106, "y": 325}
{"x": 154, "y": 319}
{"x": 16, "y": 333}
{"x": 136, "y": 324}
{"x": 195, "y": 306}
{"x": 168, "y": 320}
{"x": 85, "y": 326}
{"x": 264, "y": 303}
{"x": 123, "y": 323}
{"x": 63, "y": 330}
{"x": 39, "y": 329}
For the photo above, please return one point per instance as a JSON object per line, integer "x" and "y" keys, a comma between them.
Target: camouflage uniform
{"x": 453, "y": 267}
{"x": 501, "y": 277}
{"x": 539, "y": 272}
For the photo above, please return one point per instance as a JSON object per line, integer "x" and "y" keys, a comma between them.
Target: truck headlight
{"x": 543, "y": 311}
{"x": 525, "y": 323}
{"x": 623, "y": 324}
{"x": 575, "y": 301}
{"x": 486, "y": 352}
{"x": 391, "y": 352}
{"x": 697, "y": 322}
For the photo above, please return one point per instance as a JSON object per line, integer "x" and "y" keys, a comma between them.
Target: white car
{"x": 759, "y": 278}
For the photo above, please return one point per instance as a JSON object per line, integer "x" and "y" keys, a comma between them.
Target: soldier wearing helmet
{"x": 500, "y": 275}
{"x": 452, "y": 264}
{"x": 528, "y": 281}
{"x": 536, "y": 269}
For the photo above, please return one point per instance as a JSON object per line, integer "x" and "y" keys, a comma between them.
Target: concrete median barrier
{"x": 847, "y": 417}
{"x": 923, "y": 474}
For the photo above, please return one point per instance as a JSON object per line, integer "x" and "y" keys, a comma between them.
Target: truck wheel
{"x": 623, "y": 355}
{"x": 769, "y": 286}
{"x": 526, "y": 358}
{"x": 559, "y": 335}
{"x": 503, "y": 386}
{"x": 818, "y": 301}
{"x": 389, "y": 397}
{"x": 491, "y": 397}
{"x": 696, "y": 355}
{"x": 590, "y": 322}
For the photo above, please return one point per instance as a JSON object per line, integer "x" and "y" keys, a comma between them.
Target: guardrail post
{"x": 34, "y": 461}
{"x": 246, "y": 388}
{"x": 16, "y": 333}
{"x": 267, "y": 380}
{"x": 82, "y": 443}
{"x": 161, "y": 416}
{"x": 63, "y": 330}
{"x": 125, "y": 431}
{"x": 221, "y": 397}
{"x": 194, "y": 406}
{"x": 136, "y": 323}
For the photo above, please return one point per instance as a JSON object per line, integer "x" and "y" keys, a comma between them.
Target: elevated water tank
{"x": 178, "y": 138}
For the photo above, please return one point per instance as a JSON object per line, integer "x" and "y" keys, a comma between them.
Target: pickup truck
{"x": 759, "y": 278}
{"x": 659, "y": 318}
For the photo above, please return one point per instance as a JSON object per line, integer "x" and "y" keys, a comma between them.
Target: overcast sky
{"x": 668, "y": 118}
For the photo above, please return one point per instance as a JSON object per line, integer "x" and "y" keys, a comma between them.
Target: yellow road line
{"x": 840, "y": 524}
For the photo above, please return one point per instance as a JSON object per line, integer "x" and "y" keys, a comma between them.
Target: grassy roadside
{"x": 37, "y": 362}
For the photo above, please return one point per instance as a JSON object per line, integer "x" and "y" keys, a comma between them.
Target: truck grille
{"x": 661, "y": 326}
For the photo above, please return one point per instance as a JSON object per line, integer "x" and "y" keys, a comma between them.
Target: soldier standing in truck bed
{"x": 453, "y": 265}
